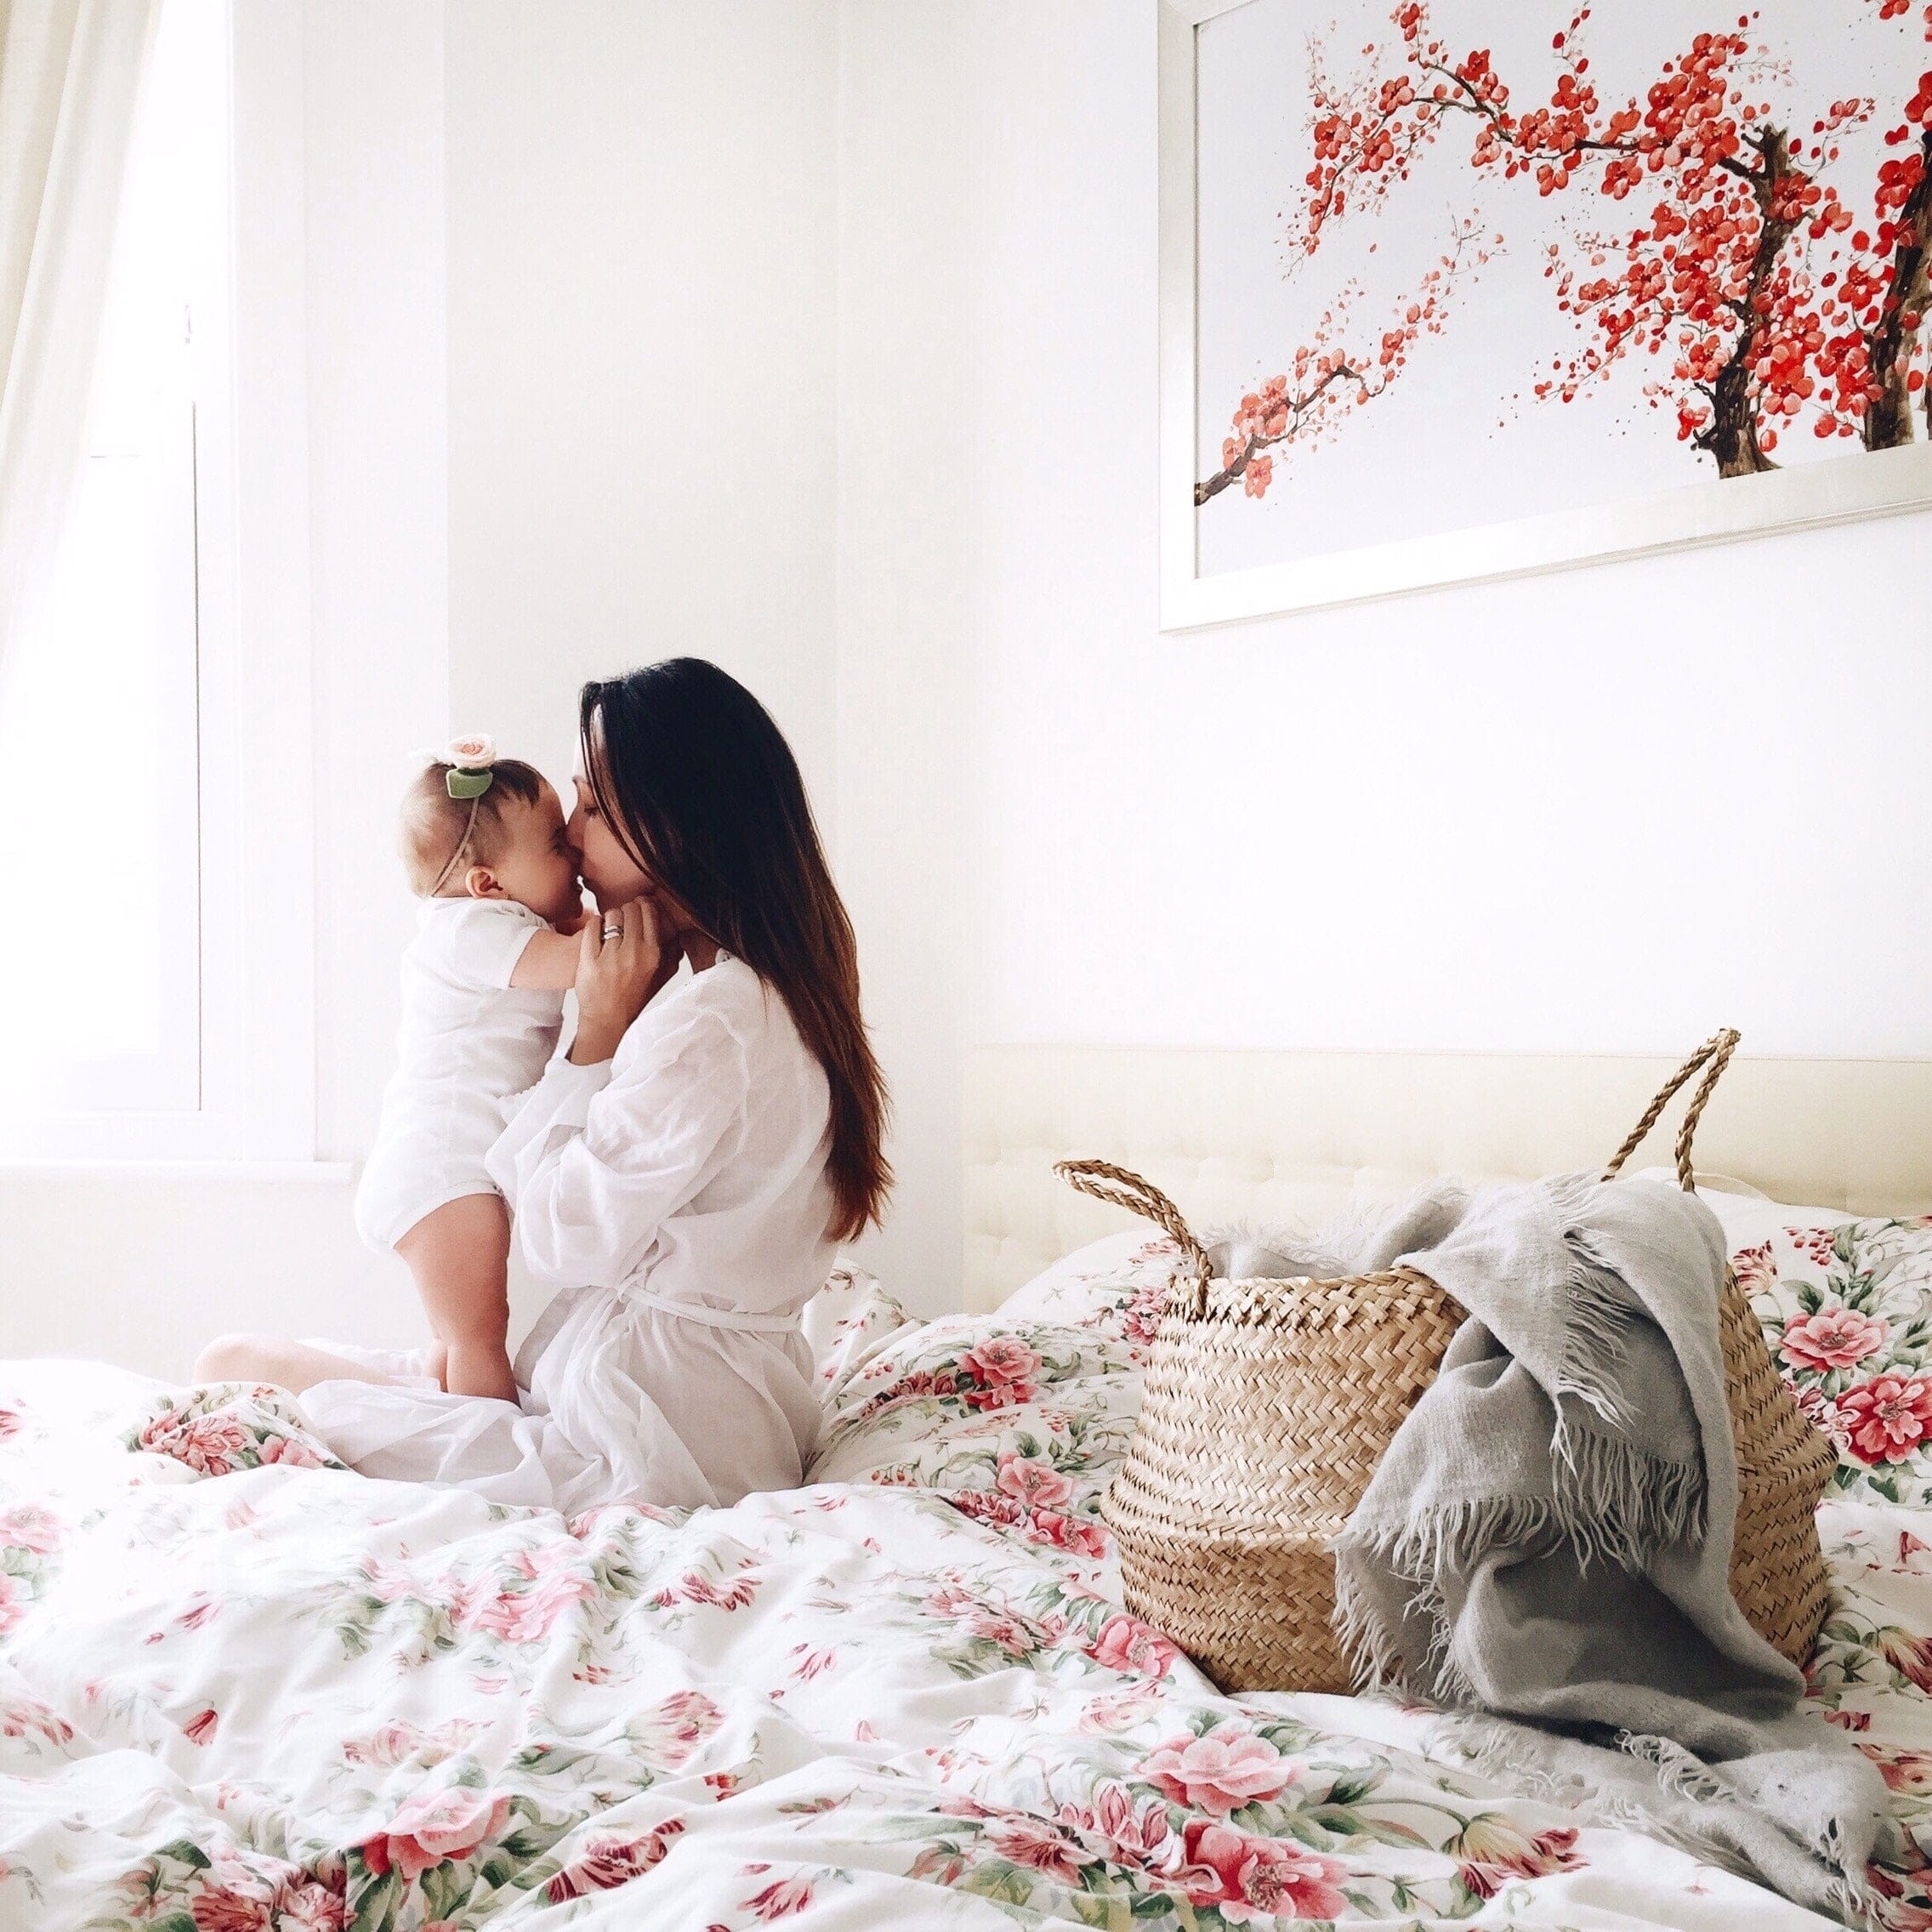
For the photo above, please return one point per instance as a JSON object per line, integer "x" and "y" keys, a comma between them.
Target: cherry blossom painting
{"x": 1455, "y": 289}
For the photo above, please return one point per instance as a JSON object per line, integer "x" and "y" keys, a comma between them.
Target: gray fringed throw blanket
{"x": 1548, "y": 1538}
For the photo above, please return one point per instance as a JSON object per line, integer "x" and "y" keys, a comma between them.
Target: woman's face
{"x": 614, "y": 878}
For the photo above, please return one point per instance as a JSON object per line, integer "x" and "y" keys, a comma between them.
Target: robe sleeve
{"x": 596, "y": 1157}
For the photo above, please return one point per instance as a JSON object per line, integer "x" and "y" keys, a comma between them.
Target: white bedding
{"x": 243, "y": 1692}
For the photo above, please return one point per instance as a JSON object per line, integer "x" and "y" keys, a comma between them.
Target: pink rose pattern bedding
{"x": 243, "y": 1689}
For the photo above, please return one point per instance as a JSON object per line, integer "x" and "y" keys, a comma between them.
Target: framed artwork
{"x": 1460, "y": 289}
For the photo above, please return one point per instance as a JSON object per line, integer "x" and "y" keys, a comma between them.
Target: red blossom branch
{"x": 1326, "y": 382}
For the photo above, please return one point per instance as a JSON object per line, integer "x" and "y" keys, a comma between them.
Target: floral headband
{"x": 468, "y": 760}
{"x": 467, "y": 765}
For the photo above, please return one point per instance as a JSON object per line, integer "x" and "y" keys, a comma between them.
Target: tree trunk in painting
{"x": 1888, "y": 422}
{"x": 1731, "y": 435}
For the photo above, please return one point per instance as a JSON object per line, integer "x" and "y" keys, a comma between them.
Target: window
{"x": 158, "y": 938}
{"x": 100, "y": 726}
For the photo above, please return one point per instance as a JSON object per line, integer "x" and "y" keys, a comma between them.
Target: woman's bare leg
{"x": 293, "y": 1365}
{"x": 460, "y": 1258}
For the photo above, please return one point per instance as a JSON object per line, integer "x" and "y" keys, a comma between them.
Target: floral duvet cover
{"x": 243, "y": 1690}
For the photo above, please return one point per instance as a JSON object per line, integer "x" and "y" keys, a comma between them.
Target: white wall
{"x": 1605, "y": 809}
{"x": 641, "y": 209}
{"x": 907, "y": 597}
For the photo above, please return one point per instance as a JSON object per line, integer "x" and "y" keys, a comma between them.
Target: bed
{"x": 244, "y": 1690}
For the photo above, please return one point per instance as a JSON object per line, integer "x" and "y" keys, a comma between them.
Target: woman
{"x": 682, "y": 1176}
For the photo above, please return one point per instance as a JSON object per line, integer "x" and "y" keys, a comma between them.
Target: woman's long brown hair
{"x": 700, "y": 786}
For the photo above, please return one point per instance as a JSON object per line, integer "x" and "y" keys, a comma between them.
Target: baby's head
{"x": 504, "y": 842}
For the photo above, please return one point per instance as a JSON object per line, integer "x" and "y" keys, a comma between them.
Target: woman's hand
{"x": 623, "y": 959}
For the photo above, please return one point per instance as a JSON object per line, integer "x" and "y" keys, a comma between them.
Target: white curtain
{"x": 70, "y": 78}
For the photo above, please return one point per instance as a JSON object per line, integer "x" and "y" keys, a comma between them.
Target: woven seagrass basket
{"x": 1268, "y": 1405}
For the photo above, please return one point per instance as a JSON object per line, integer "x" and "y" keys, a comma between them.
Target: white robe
{"x": 676, "y": 1196}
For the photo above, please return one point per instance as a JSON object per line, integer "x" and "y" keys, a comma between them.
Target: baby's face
{"x": 536, "y": 867}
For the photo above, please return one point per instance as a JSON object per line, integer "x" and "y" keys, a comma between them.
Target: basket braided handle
{"x": 1121, "y": 1187}
{"x": 1715, "y": 1055}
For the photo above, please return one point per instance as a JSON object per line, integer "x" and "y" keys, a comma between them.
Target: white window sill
{"x": 311, "y": 1173}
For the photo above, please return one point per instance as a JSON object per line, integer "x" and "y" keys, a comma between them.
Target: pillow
{"x": 1746, "y": 1216}
{"x": 1018, "y": 1424}
{"x": 1117, "y": 1284}
{"x": 847, "y": 1320}
{"x": 1848, "y": 1312}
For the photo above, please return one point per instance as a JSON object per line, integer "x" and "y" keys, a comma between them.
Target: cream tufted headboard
{"x": 1298, "y": 1136}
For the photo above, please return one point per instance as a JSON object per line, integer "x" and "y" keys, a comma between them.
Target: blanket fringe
{"x": 1369, "y": 1645}
{"x": 1616, "y": 1501}
{"x": 1611, "y": 1501}
{"x": 1598, "y": 1320}
{"x": 1519, "y": 1757}
{"x": 1676, "y": 1769}
{"x": 1420, "y": 1550}
{"x": 1694, "y": 1805}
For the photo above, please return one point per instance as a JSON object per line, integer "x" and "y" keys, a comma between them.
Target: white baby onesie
{"x": 468, "y": 1041}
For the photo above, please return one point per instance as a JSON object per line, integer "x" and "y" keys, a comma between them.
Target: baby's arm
{"x": 547, "y": 963}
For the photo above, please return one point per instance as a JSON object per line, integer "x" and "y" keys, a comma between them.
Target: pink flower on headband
{"x": 475, "y": 751}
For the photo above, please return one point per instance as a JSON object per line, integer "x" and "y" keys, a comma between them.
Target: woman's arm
{"x": 547, "y": 962}
{"x": 618, "y": 976}
{"x": 592, "y": 1165}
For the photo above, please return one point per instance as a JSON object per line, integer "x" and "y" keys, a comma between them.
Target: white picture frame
{"x": 1873, "y": 483}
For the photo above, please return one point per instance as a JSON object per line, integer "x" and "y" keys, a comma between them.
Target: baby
{"x": 483, "y": 984}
